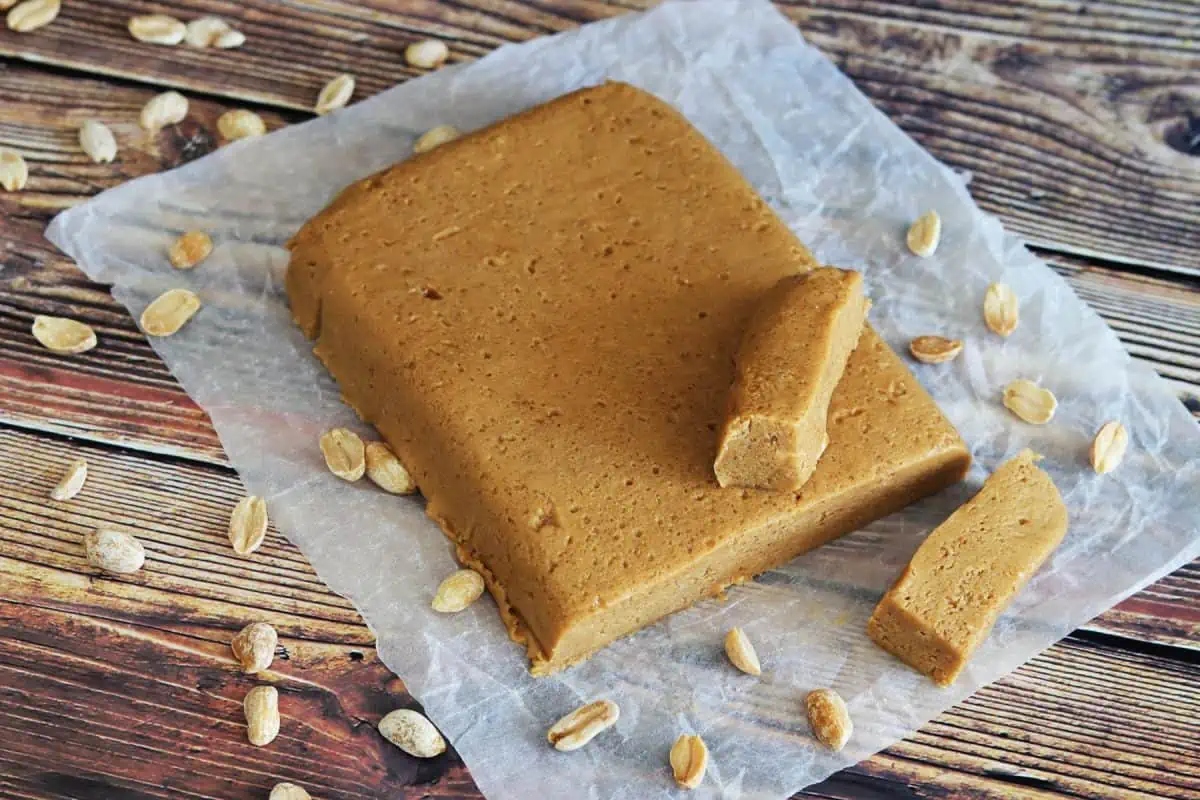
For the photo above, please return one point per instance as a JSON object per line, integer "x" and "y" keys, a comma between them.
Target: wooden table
{"x": 1079, "y": 124}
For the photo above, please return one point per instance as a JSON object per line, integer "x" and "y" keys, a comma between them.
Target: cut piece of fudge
{"x": 969, "y": 569}
{"x": 790, "y": 359}
{"x": 540, "y": 318}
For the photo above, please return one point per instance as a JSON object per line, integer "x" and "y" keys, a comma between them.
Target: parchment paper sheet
{"x": 848, "y": 182}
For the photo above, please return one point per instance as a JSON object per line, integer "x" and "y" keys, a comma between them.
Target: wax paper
{"x": 848, "y": 182}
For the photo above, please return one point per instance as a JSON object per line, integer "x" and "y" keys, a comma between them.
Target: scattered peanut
{"x": 114, "y": 551}
{"x": 248, "y": 525}
{"x": 436, "y": 137}
{"x": 169, "y": 312}
{"x": 62, "y": 335}
{"x": 935, "y": 349}
{"x": 97, "y": 140}
{"x": 157, "y": 29}
{"x": 689, "y": 760}
{"x": 289, "y": 791}
{"x": 1030, "y": 402}
{"x": 254, "y": 647}
{"x": 190, "y": 249}
{"x": 33, "y": 14}
{"x": 168, "y": 108}
{"x": 344, "y": 453}
{"x": 412, "y": 733}
{"x": 741, "y": 652}
{"x": 14, "y": 172}
{"x": 228, "y": 40}
{"x": 71, "y": 482}
{"x": 925, "y": 233}
{"x": 386, "y": 471}
{"x": 458, "y": 591}
{"x": 203, "y": 32}
{"x": 336, "y": 94}
{"x": 1000, "y": 309}
{"x": 426, "y": 54}
{"x": 582, "y": 725}
{"x": 829, "y": 718}
{"x": 240, "y": 123}
{"x": 261, "y": 707}
{"x": 1108, "y": 448}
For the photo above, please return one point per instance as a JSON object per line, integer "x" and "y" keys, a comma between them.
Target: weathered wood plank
{"x": 128, "y": 681}
{"x": 1071, "y": 117}
{"x": 132, "y": 708}
{"x": 1051, "y": 705}
{"x": 1068, "y": 115}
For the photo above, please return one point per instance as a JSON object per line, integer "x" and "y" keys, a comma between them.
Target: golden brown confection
{"x": 540, "y": 318}
{"x": 791, "y": 357}
{"x": 969, "y": 569}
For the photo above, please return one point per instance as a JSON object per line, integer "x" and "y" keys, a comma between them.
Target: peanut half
{"x": 248, "y": 525}
{"x": 829, "y": 718}
{"x": 14, "y": 172}
{"x": 190, "y": 249}
{"x": 169, "y": 312}
{"x": 1108, "y": 448}
{"x": 97, "y": 140}
{"x": 741, "y": 652}
{"x": 240, "y": 123}
{"x": 689, "y": 760}
{"x": 33, "y": 14}
{"x": 458, "y": 591}
{"x": 1001, "y": 311}
{"x": 1030, "y": 402}
{"x": 168, "y": 108}
{"x": 385, "y": 470}
{"x": 62, "y": 335}
{"x": 344, "y": 453}
{"x": 582, "y": 725}
{"x": 157, "y": 29}
{"x": 925, "y": 233}
{"x": 435, "y": 137}
{"x": 935, "y": 349}
{"x": 426, "y": 54}
{"x": 335, "y": 94}
{"x": 71, "y": 482}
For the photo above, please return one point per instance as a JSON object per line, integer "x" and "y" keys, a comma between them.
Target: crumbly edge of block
{"x": 891, "y": 626}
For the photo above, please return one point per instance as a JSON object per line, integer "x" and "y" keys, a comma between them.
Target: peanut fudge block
{"x": 790, "y": 359}
{"x": 969, "y": 569}
{"x": 540, "y": 318}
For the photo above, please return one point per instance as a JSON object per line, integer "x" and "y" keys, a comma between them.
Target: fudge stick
{"x": 791, "y": 358}
{"x": 969, "y": 569}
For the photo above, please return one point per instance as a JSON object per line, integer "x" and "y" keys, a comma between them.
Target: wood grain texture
{"x": 1068, "y": 116}
{"x": 121, "y": 393}
{"x": 85, "y": 653}
{"x": 1071, "y": 117}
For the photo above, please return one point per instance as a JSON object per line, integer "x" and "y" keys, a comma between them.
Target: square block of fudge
{"x": 541, "y": 318}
